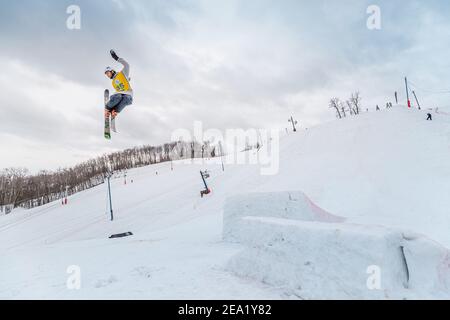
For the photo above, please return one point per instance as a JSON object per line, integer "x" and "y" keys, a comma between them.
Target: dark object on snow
{"x": 121, "y": 235}
{"x": 429, "y": 118}
{"x": 205, "y": 175}
{"x": 205, "y": 192}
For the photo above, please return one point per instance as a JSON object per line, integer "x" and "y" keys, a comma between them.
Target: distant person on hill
{"x": 429, "y": 117}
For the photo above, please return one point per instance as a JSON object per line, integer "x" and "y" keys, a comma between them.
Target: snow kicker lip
{"x": 121, "y": 235}
{"x": 294, "y": 205}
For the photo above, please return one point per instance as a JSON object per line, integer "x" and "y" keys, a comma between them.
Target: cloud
{"x": 227, "y": 63}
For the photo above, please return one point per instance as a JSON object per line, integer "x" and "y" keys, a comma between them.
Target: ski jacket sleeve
{"x": 126, "y": 67}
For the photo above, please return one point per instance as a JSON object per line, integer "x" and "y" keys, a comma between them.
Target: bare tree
{"x": 355, "y": 102}
{"x": 350, "y": 107}
{"x": 343, "y": 110}
{"x": 335, "y": 103}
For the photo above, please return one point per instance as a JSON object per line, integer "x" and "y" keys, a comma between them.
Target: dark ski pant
{"x": 118, "y": 102}
{"x": 430, "y": 118}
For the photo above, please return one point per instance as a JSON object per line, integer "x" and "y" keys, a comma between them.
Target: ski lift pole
{"x": 110, "y": 198}
{"x": 206, "y": 191}
{"x": 221, "y": 155}
{"x": 66, "y": 195}
{"x": 407, "y": 92}
{"x": 293, "y": 123}
{"x": 204, "y": 181}
{"x": 417, "y": 100}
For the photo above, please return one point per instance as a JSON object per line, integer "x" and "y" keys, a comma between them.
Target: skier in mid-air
{"x": 123, "y": 96}
{"x": 121, "y": 83}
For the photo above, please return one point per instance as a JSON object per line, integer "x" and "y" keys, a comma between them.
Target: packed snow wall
{"x": 291, "y": 244}
{"x": 290, "y": 205}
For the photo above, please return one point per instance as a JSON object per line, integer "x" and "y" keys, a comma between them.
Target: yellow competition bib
{"x": 120, "y": 83}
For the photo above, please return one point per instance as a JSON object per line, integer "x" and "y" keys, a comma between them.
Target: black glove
{"x": 114, "y": 55}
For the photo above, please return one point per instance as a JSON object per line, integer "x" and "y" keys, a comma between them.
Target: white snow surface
{"x": 383, "y": 178}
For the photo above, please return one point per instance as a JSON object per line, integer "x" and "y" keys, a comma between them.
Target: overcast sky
{"x": 227, "y": 63}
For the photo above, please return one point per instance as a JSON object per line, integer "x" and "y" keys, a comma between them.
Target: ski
{"x": 107, "y": 132}
{"x": 113, "y": 124}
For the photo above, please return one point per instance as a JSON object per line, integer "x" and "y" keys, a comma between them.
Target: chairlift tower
{"x": 108, "y": 177}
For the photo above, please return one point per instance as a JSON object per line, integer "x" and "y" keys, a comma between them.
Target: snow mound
{"x": 290, "y": 205}
{"x": 314, "y": 259}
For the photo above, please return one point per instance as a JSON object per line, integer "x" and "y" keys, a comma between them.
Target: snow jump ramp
{"x": 291, "y": 243}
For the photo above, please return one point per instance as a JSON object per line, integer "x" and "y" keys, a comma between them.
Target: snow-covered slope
{"x": 388, "y": 168}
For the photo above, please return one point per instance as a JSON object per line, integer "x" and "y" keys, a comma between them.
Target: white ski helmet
{"x": 109, "y": 69}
